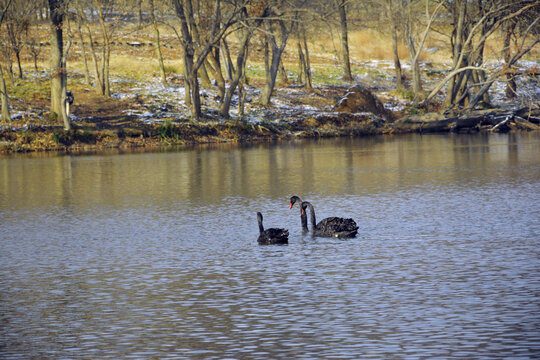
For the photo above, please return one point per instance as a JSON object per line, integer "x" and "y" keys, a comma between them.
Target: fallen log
{"x": 502, "y": 125}
{"x": 492, "y": 120}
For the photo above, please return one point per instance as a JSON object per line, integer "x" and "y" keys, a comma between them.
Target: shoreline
{"x": 151, "y": 137}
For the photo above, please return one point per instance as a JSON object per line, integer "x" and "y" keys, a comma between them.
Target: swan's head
{"x": 303, "y": 207}
{"x": 294, "y": 199}
{"x": 259, "y": 216}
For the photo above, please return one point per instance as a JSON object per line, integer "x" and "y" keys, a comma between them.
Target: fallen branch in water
{"x": 486, "y": 120}
{"x": 507, "y": 119}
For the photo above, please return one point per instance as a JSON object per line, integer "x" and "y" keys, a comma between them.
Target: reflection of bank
{"x": 318, "y": 169}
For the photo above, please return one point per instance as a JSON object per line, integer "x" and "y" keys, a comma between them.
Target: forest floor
{"x": 142, "y": 112}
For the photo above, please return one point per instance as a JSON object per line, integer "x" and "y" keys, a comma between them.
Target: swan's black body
{"x": 271, "y": 236}
{"x": 332, "y": 226}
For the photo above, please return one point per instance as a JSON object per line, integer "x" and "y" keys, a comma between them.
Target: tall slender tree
{"x": 157, "y": 42}
{"x": 344, "y": 39}
{"x": 195, "y": 53}
{"x": 276, "y": 16}
{"x": 58, "y": 64}
{"x": 3, "y": 89}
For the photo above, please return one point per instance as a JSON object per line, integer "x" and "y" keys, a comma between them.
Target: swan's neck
{"x": 303, "y": 217}
{"x": 261, "y": 227}
{"x": 313, "y": 221}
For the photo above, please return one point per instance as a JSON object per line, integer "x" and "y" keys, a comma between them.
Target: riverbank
{"x": 130, "y": 134}
{"x": 148, "y": 115}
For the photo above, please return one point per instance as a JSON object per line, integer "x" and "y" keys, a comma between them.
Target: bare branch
{"x": 449, "y": 76}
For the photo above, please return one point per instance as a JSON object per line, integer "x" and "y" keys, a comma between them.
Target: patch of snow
{"x": 17, "y": 115}
{"x": 123, "y": 96}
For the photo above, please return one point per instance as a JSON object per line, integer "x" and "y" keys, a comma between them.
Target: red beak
{"x": 302, "y": 211}
{"x": 290, "y": 205}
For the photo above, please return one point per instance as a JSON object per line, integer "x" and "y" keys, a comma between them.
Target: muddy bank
{"x": 330, "y": 124}
{"x": 151, "y": 136}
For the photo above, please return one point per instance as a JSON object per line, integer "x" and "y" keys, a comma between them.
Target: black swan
{"x": 303, "y": 216}
{"x": 271, "y": 236}
{"x": 293, "y": 200}
{"x": 332, "y": 226}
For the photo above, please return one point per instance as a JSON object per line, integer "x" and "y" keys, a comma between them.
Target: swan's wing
{"x": 278, "y": 233}
{"x": 337, "y": 227}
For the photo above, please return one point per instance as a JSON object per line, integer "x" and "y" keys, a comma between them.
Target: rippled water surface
{"x": 155, "y": 256}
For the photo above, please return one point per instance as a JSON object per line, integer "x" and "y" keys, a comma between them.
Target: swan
{"x": 303, "y": 216}
{"x": 271, "y": 236}
{"x": 331, "y": 227}
{"x": 293, "y": 200}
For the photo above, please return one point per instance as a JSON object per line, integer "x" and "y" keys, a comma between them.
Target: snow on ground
{"x": 152, "y": 102}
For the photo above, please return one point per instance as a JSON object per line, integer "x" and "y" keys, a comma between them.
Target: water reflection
{"x": 300, "y": 167}
{"x": 155, "y": 255}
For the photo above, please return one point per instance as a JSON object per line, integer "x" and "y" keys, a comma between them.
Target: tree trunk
{"x": 157, "y": 44}
{"x": 229, "y": 68}
{"x": 9, "y": 67}
{"x": 83, "y": 48}
{"x": 193, "y": 27}
{"x": 189, "y": 55}
{"x": 347, "y": 75}
{"x": 270, "y": 79}
{"x": 3, "y": 94}
{"x": 307, "y": 69}
{"x": 397, "y": 63}
{"x": 99, "y": 80}
{"x": 242, "y": 53}
{"x": 272, "y": 65}
{"x": 18, "y": 56}
{"x": 409, "y": 41}
{"x": 283, "y": 73}
{"x": 58, "y": 70}
{"x": 511, "y": 86}
{"x": 391, "y": 14}
{"x": 459, "y": 10}
{"x": 107, "y": 83}
{"x": 243, "y": 42}
{"x": 106, "y": 87}
{"x": 140, "y": 15}
{"x": 301, "y": 62}
{"x": 216, "y": 72}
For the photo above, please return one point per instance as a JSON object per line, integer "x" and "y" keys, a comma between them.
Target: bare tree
{"x": 244, "y": 34}
{"x": 392, "y": 14}
{"x": 100, "y": 48}
{"x": 344, "y": 38}
{"x": 409, "y": 19}
{"x": 58, "y": 63}
{"x": 157, "y": 44}
{"x": 195, "y": 53}
{"x": 17, "y": 22}
{"x": 83, "y": 49}
{"x": 3, "y": 89}
{"x": 473, "y": 25}
{"x": 307, "y": 18}
{"x": 83, "y": 21}
{"x": 248, "y": 23}
{"x": 276, "y": 16}
{"x": 33, "y": 43}
{"x": 508, "y": 29}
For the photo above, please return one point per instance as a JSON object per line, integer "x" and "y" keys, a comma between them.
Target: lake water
{"x": 155, "y": 255}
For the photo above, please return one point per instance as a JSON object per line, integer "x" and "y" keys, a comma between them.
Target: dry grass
{"x": 365, "y": 44}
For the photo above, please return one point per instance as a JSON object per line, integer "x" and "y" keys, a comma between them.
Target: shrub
{"x": 63, "y": 137}
{"x": 168, "y": 131}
